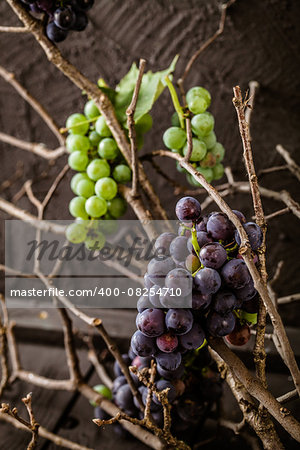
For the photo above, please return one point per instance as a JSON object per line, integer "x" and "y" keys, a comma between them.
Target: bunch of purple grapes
{"x": 198, "y": 286}
{"x": 191, "y": 394}
{"x": 63, "y": 16}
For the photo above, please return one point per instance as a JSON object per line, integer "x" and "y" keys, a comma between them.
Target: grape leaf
{"x": 152, "y": 86}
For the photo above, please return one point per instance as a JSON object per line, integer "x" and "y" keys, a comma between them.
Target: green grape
{"x": 85, "y": 188}
{"x": 122, "y": 173}
{"x": 198, "y": 99}
{"x": 208, "y": 161}
{"x": 78, "y": 161}
{"x": 75, "y": 180}
{"x": 218, "y": 171}
{"x": 102, "y": 390}
{"x": 106, "y": 188}
{"x": 218, "y": 151}
{"x": 102, "y": 128}
{"x": 203, "y": 124}
{"x": 175, "y": 120}
{"x": 98, "y": 168}
{"x": 179, "y": 168}
{"x": 117, "y": 207}
{"x": 207, "y": 172}
{"x": 174, "y": 138}
{"x": 108, "y": 148}
{"x": 94, "y": 138}
{"x": 109, "y": 225}
{"x": 77, "y": 124}
{"x": 77, "y": 142}
{"x": 144, "y": 124}
{"x": 77, "y": 208}
{"x": 95, "y": 206}
{"x": 95, "y": 242}
{"x": 198, "y": 152}
{"x": 91, "y": 110}
{"x": 210, "y": 140}
{"x": 192, "y": 180}
{"x": 76, "y": 233}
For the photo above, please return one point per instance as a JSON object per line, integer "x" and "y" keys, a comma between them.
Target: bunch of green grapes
{"x": 207, "y": 153}
{"x": 100, "y": 167}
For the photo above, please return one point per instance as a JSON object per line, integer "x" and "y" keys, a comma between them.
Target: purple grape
{"x": 190, "y": 411}
{"x": 141, "y": 390}
{"x": 81, "y": 21}
{"x": 213, "y": 255}
{"x": 117, "y": 368}
{"x": 84, "y": 5}
{"x": 220, "y": 227}
{"x": 159, "y": 268}
{"x": 162, "y": 385}
{"x": 168, "y": 361}
{"x": 188, "y": 209}
{"x": 143, "y": 303}
{"x": 193, "y": 339}
{"x": 118, "y": 382}
{"x": 171, "y": 374}
{"x": 162, "y": 243}
{"x": 179, "y": 321}
{"x": 172, "y": 301}
{"x": 54, "y": 33}
{"x": 124, "y": 398}
{"x": 179, "y": 279}
{"x": 224, "y": 301}
{"x": 235, "y": 274}
{"x": 239, "y": 215}
{"x": 247, "y": 292}
{"x": 251, "y": 306}
{"x": 147, "y": 282}
{"x": 151, "y": 322}
{"x": 167, "y": 342}
{"x": 220, "y": 325}
{"x": 201, "y": 226}
{"x": 158, "y": 417}
{"x": 192, "y": 263}
{"x": 254, "y": 233}
{"x": 207, "y": 281}
{"x": 202, "y": 239}
{"x": 154, "y": 295}
{"x": 178, "y": 248}
{"x": 142, "y": 345}
{"x": 182, "y": 231}
{"x": 200, "y": 301}
{"x": 100, "y": 414}
{"x": 64, "y": 17}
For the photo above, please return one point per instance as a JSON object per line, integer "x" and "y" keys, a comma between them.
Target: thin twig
{"x": 272, "y": 169}
{"x": 207, "y": 43}
{"x": 291, "y": 164}
{"x": 189, "y": 135}
{"x": 10, "y": 78}
{"x": 99, "y": 368}
{"x": 280, "y": 212}
{"x": 37, "y": 149}
{"x": 253, "y": 86}
{"x": 288, "y": 396}
{"x": 33, "y": 424}
{"x": 131, "y": 127}
{"x": 44, "y": 433}
{"x": 288, "y": 299}
{"x": 13, "y": 30}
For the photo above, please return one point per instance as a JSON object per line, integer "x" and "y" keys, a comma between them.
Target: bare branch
{"x": 10, "y": 78}
{"x": 288, "y": 299}
{"x": 291, "y": 164}
{"x": 207, "y": 43}
{"x": 253, "y": 86}
{"x": 131, "y": 127}
{"x": 13, "y": 30}
{"x": 288, "y": 396}
{"x": 189, "y": 139}
{"x": 100, "y": 370}
{"x": 33, "y": 424}
{"x": 280, "y": 212}
{"x": 37, "y": 149}
{"x": 44, "y": 433}
{"x": 256, "y": 389}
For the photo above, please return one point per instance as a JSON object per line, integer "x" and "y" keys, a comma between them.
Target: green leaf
{"x": 152, "y": 86}
{"x": 249, "y": 318}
